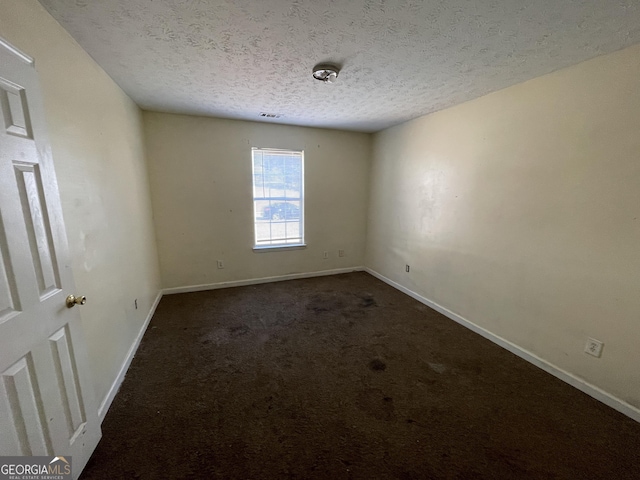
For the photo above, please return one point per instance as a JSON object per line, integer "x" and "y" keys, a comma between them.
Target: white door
{"x": 46, "y": 398}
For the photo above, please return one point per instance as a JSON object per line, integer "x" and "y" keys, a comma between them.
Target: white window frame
{"x": 284, "y": 243}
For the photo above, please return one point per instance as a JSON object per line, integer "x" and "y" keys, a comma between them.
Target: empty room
{"x": 367, "y": 239}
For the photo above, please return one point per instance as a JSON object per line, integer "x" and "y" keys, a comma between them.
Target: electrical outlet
{"x": 220, "y": 264}
{"x": 135, "y": 303}
{"x": 407, "y": 268}
{"x": 341, "y": 253}
{"x": 593, "y": 347}
{"x": 325, "y": 255}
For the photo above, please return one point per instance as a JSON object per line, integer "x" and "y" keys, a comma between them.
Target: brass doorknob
{"x": 72, "y": 300}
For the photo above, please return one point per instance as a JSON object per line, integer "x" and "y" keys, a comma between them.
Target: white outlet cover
{"x": 593, "y": 347}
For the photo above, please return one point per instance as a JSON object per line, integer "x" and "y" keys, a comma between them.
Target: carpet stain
{"x": 325, "y": 302}
{"x": 367, "y": 301}
{"x": 238, "y": 330}
{"x": 377, "y": 365}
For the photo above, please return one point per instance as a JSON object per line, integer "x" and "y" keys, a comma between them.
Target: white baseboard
{"x": 585, "y": 387}
{"x": 256, "y": 281}
{"x": 106, "y": 403}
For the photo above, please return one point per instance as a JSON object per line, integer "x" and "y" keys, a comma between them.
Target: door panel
{"x": 46, "y": 398}
{"x": 38, "y": 228}
{"x": 9, "y": 300}
{"x": 25, "y": 408}
{"x": 68, "y": 381}
{"x": 15, "y": 109}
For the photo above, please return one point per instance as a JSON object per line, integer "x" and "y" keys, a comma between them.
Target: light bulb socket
{"x": 326, "y": 72}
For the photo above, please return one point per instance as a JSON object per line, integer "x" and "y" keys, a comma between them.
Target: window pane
{"x": 258, "y": 186}
{"x": 277, "y": 193}
{"x": 292, "y": 185}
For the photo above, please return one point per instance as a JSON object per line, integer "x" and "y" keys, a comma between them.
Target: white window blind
{"x": 278, "y": 197}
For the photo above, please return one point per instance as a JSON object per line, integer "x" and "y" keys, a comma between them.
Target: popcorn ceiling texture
{"x": 401, "y": 59}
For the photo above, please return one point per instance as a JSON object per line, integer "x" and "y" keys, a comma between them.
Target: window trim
{"x": 271, "y": 248}
{"x": 279, "y": 246}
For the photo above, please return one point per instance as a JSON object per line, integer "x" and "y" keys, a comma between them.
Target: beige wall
{"x": 520, "y": 211}
{"x": 97, "y": 142}
{"x": 200, "y": 171}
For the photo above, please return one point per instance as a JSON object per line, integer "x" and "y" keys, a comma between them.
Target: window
{"x": 278, "y": 197}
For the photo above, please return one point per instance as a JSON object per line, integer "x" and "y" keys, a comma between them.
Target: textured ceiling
{"x": 400, "y": 59}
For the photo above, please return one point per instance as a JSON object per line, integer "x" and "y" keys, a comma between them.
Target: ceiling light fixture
{"x": 325, "y": 72}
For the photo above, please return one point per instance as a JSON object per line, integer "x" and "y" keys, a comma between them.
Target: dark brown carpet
{"x": 344, "y": 377}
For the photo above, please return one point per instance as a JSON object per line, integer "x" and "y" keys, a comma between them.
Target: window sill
{"x": 271, "y": 248}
